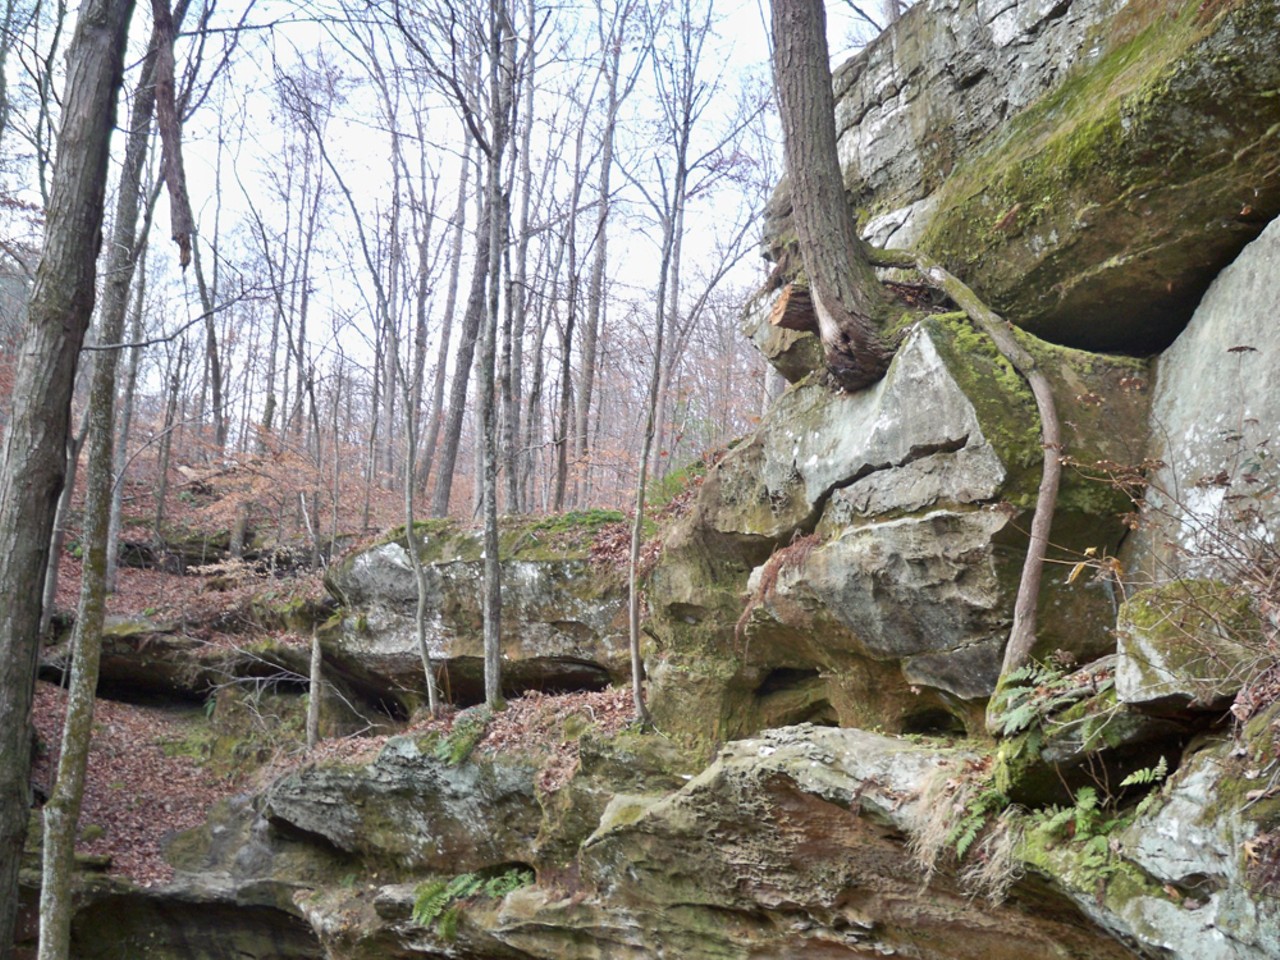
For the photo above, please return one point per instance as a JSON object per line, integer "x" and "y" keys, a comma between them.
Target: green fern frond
{"x": 448, "y": 926}
{"x": 1058, "y": 817}
{"x": 1147, "y": 775}
{"x": 965, "y": 840}
{"x": 429, "y": 901}
{"x": 1019, "y": 719}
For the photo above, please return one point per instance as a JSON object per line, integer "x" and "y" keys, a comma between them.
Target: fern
{"x": 448, "y": 925}
{"x": 970, "y": 828}
{"x": 468, "y": 730}
{"x": 429, "y": 901}
{"x": 1147, "y": 775}
{"x": 1028, "y": 671}
{"x": 1057, "y": 818}
{"x": 438, "y": 903}
{"x": 1086, "y": 811}
{"x": 1019, "y": 718}
{"x": 504, "y": 883}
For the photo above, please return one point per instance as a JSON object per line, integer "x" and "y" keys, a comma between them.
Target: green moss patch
{"x": 1083, "y": 218}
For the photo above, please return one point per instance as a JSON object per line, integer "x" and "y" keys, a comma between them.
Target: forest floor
{"x": 148, "y": 778}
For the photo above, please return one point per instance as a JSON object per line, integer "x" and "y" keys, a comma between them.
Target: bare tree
{"x": 502, "y": 44}
{"x": 33, "y": 466}
{"x": 611, "y": 32}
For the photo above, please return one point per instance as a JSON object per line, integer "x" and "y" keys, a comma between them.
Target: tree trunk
{"x": 846, "y": 294}
{"x": 610, "y": 62}
{"x": 126, "y": 423}
{"x": 166, "y": 444}
{"x": 315, "y": 691}
{"x": 212, "y": 354}
{"x": 62, "y": 812}
{"x": 34, "y": 460}
{"x": 501, "y": 94}
{"x": 126, "y": 247}
{"x": 446, "y": 324}
{"x": 74, "y": 444}
{"x": 462, "y": 367}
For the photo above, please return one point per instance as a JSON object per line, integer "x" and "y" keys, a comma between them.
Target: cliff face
{"x": 826, "y": 623}
{"x": 1087, "y": 167}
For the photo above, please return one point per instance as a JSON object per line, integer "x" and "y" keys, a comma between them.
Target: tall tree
{"x": 502, "y": 43}
{"x": 34, "y": 464}
{"x": 610, "y": 31}
{"x": 62, "y": 812}
{"x": 847, "y": 298}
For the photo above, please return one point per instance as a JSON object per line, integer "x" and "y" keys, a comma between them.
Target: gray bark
{"x": 62, "y": 812}
{"x": 34, "y": 462}
{"x": 446, "y": 325}
{"x": 315, "y": 692}
{"x": 125, "y": 252}
{"x": 611, "y": 64}
{"x": 74, "y": 444}
{"x": 126, "y": 422}
{"x": 166, "y": 443}
{"x": 501, "y": 94}
{"x": 462, "y": 367}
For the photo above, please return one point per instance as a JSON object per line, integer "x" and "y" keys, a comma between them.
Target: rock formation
{"x": 826, "y": 622}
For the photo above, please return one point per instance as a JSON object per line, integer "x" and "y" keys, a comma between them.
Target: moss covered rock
{"x": 1188, "y": 644}
{"x": 413, "y": 811}
{"x": 1087, "y": 167}
{"x": 854, "y": 561}
{"x": 563, "y": 619}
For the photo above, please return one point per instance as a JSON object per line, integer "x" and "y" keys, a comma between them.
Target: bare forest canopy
{"x": 335, "y": 157}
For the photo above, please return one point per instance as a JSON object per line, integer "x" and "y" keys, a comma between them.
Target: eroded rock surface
{"x": 1087, "y": 166}
{"x": 563, "y": 623}
{"x": 876, "y": 540}
{"x": 414, "y": 810}
{"x": 1213, "y": 420}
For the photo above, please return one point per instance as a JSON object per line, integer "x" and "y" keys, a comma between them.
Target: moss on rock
{"x": 1082, "y": 220}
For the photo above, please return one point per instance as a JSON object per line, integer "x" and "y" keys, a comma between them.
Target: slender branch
{"x": 170, "y": 337}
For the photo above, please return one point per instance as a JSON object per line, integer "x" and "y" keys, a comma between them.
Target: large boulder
{"x": 1194, "y": 874}
{"x": 563, "y": 619}
{"x": 1087, "y": 166}
{"x": 1188, "y": 645}
{"x": 789, "y": 845}
{"x": 1211, "y": 510}
{"x": 411, "y": 809}
{"x": 1214, "y": 840}
{"x": 875, "y": 540}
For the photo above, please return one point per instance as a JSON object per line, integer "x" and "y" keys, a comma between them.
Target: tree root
{"x": 1022, "y": 636}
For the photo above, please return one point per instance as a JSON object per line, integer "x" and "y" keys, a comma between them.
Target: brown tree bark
{"x": 846, "y": 295}
{"x": 34, "y": 461}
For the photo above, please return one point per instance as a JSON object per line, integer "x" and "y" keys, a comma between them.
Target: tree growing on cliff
{"x": 846, "y": 296}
